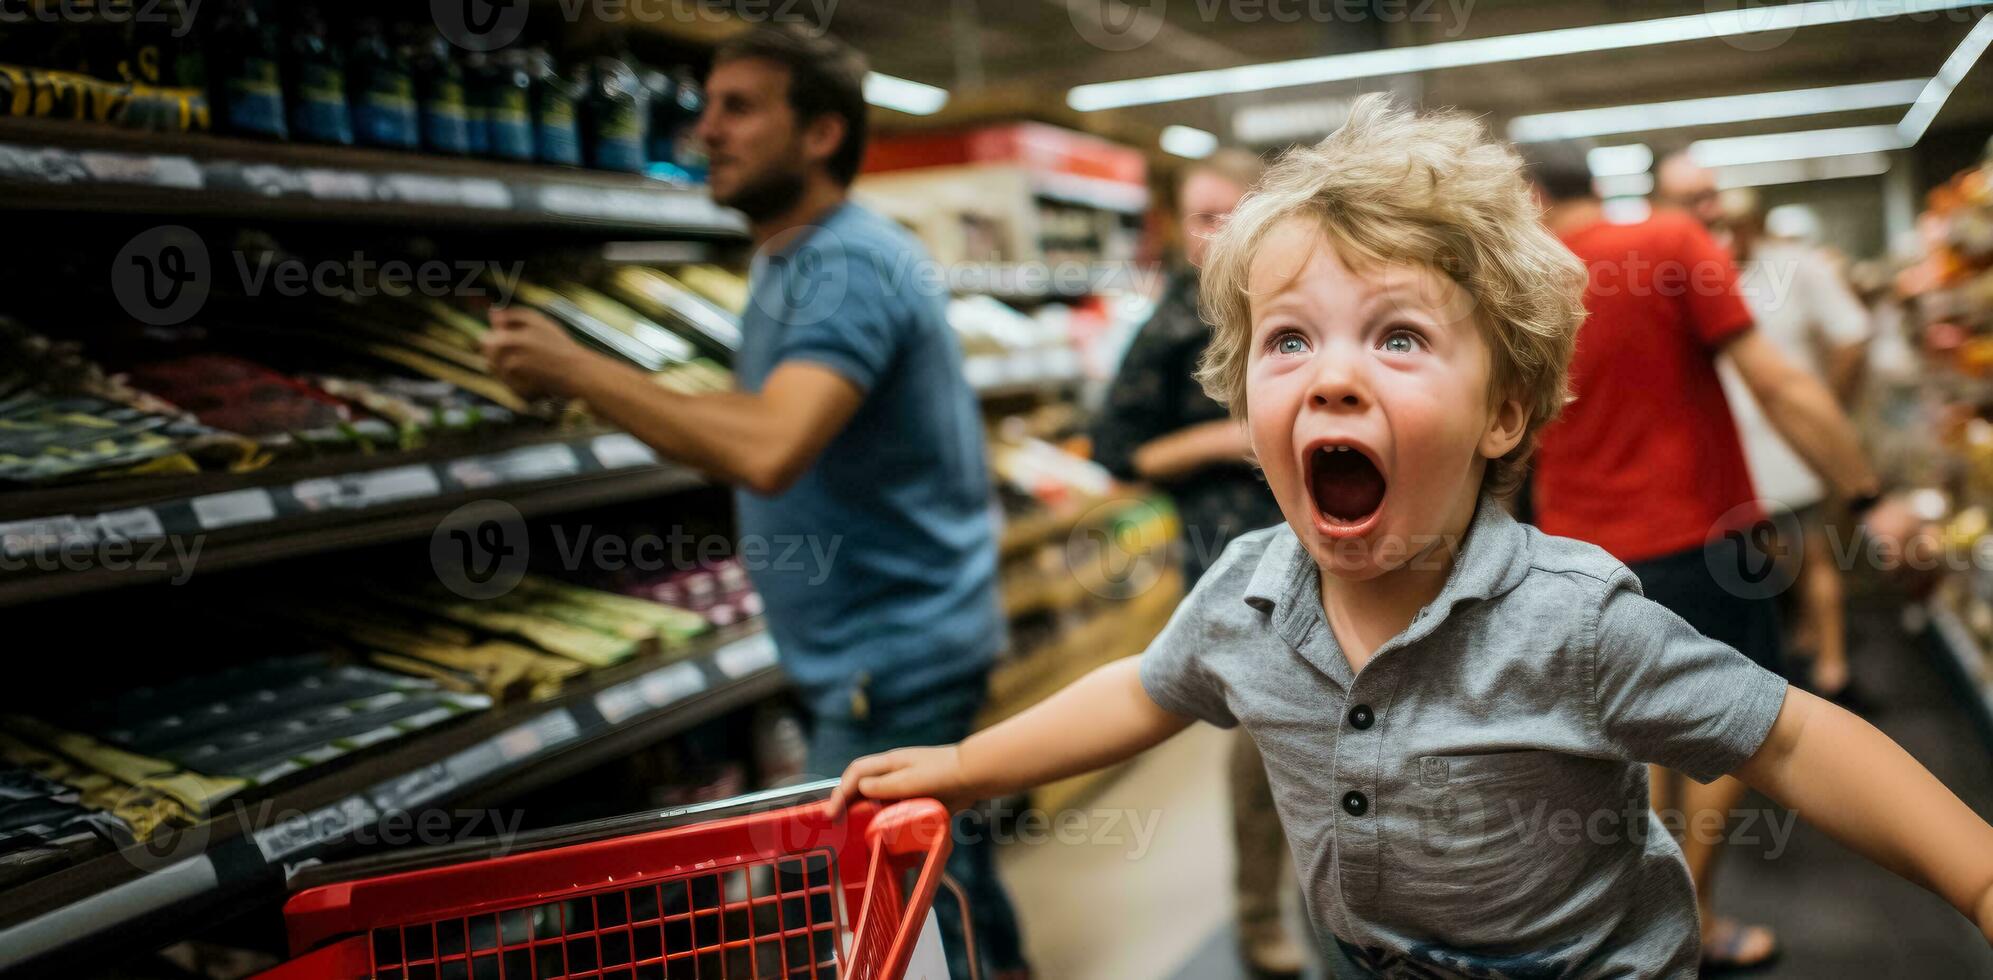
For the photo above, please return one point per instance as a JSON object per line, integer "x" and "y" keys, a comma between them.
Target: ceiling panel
{"x": 1021, "y": 56}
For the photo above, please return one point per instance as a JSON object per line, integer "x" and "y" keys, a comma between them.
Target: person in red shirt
{"x": 1645, "y": 461}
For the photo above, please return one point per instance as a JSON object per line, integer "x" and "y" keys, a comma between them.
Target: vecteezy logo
{"x": 479, "y": 551}
{"x": 168, "y": 846}
{"x": 1116, "y": 25}
{"x": 1754, "y": 556}
{"x": 479, "y": 25}
{"x": 162, "y": 276}
{"x": 1118, "y": 550}
{"x": 812, "y": 272}
{"x": 1752, "y": 25}
{"x": 1757, "y": 552}
{"x": 483, "y": 559}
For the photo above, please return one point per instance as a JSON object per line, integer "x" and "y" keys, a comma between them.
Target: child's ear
{"x": 1506, "y": 426}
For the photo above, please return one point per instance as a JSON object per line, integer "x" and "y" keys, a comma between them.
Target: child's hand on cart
{"x": 932, "y": 771}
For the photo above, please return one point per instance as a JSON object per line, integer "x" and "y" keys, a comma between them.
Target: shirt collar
{"x": 1493, "y": 560}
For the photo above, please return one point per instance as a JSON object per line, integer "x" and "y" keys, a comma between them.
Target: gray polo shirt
{"x": 1473, "y": 802}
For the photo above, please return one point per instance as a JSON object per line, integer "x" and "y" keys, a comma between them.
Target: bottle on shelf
{"x": 479, "y": 75}
{"x": 556, "y": 123}
{"x": 317, "y": 70}
{"x": 506, "y": 93}
{"x": 617, "y": 115}
{"x": 163, "y": 56}
{"x": 383, "y": 91}
{"x": 162, "y": 52}
{"x": 439, "y": 90}
{"x": 246, "y": 84}
{"x": 676, "y": 103}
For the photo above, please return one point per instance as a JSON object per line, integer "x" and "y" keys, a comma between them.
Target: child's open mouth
{"x": 1346, "y": 484}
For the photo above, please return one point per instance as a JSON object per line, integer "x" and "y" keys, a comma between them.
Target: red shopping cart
{"x": 765, "y": 894}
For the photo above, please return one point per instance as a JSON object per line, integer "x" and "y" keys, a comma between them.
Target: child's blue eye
{"x": 1401, "y": 343}
{"x": 1290, "y": 344}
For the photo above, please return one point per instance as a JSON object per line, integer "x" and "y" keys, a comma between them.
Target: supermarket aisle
{"x": 1093, "y": 914}
{"x": 1104, "y": 910}
{"x": 1839, "y": 915}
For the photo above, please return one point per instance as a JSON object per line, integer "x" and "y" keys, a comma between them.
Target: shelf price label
{"x": 219, "y": 510}
{"x": 550, "y": 730}
{"x": 745, "y": 656}
{"x": 153, "y": 171}
{"x": 45, "y": 534}
{"x": 371, "y": 489}
{"x": 621, "y": 450}
{"x": 338, "y": 185}
{"x": 139, "y": 523}
{"x": 518, "y": 466}
{"x": 43, "y": 164}
{"x": 448, "y": 191}
{"x": 654, "y": 691}
{"x": 411, "y": 790}
{"x": 301, "y": 832}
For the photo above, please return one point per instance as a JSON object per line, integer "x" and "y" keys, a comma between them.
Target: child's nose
{"x": 1337, "y": 387}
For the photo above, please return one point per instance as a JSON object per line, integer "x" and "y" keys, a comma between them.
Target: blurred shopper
{"x": 853, "y": 429}
{"x": 1686, "y": 186}
{"x": 1159, "y": 426}
{"x": 1801, "y": 306}
{"x": 1646, "y": 461}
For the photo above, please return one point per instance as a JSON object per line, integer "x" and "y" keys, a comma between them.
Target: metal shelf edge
{"x": 1967, "y": 656}
{"x": 299, "y": 534}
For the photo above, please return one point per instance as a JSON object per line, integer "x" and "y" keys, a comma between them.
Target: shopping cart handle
{"x": 909, "y": 827}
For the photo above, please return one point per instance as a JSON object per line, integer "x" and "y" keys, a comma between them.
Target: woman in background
{"x": 1159, "y": 427}
{"x": 1802, "y": 306}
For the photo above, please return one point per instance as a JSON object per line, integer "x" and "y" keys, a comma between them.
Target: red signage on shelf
{"x": 1034, "y": 146}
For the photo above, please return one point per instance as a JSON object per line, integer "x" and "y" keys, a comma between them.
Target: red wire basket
{"x": 763, "y": 895}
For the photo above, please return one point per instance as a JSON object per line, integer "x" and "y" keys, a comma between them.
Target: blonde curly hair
{"x": 1431, "y": 189}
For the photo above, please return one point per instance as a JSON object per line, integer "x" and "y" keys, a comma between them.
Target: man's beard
{"x": 769, "y": 196}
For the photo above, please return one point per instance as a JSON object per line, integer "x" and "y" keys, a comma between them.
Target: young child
{"x": 1454, "y": 708}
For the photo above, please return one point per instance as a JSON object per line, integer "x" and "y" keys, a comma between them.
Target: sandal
{"x": 1724, "y": 952}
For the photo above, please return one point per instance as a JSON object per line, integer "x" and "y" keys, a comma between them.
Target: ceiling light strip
{"x": 1806, "y": 144}
{"x": 1609, "y": 120}
{"x": 1802, "y": 171}
{"x": 1940, "y": 88}
{"x": 904, "y": 94}
{"x": 1492, "y": 50}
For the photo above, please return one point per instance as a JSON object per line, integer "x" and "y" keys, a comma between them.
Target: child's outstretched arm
{"x": 1850, "y": 780}
{"x": 1098, "y": 720}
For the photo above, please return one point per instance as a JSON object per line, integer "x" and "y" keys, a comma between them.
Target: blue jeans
{"x": 836, "y": 742}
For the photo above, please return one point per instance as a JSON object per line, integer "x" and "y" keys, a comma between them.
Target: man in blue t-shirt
{"x": 854, "y": 438}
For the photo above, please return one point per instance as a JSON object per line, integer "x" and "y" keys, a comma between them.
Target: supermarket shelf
{"x": 1024, "y": 282}
{"x": 98, "y": 542}
{"x": 120, "y": 904}
{"x": 1029, "y": 596}
{"x": 1092, "y": 192}
{"x": 1968, "y": 660}
{"x": 1025, "y": 535}
{"x": 1045, "y": 388}
{"x": 998, "y": 376}
{"x": 1117, "y": 630}
{"x": 51, "y": 165}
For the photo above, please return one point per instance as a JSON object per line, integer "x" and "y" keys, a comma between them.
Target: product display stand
{"x": 1962, "y": 658}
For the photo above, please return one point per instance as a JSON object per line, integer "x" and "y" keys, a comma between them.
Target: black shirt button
{"x": 1360, "y": 717}
{"x": 1355, "y": 803}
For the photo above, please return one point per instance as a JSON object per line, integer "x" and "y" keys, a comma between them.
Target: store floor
{"x": 1100, "y": 906}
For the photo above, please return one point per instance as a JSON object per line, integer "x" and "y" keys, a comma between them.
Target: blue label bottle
{"x": 383, "y": 92}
